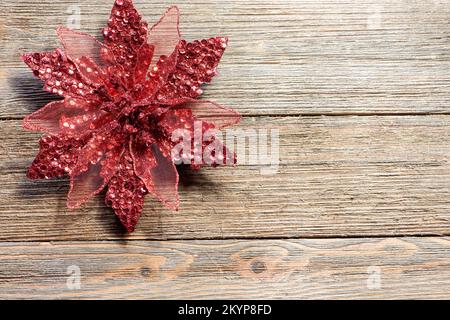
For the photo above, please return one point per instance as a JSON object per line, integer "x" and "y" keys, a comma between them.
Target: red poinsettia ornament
{"x": 123, "y": 101}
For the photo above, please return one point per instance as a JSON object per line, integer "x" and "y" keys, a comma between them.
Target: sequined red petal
{"x": 57, "y": 156}
{"x": 126, "y": 193}
{"x": 144, "y": 58}
{"x": 58, "y": 73}
{"x": 184, "y": 119}
{"x": 125, "y": 34}
{"x": 158, "y": 76}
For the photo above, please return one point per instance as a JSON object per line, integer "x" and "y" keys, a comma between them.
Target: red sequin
{"x": 123, "y": 100}
{"x": 59, "y": 74}
{"x": 126, "y": 193}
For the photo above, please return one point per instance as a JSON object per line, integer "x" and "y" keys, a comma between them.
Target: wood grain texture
{"x": 286, "y": 57}
{"x": 339, "y": 176}
{"x": 308, "y": 269}
{"x": 360, "y": 94}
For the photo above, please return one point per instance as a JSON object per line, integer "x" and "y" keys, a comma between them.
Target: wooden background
{"x": 360, "y": 208}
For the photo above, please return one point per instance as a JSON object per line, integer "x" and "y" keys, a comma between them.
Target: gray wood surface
{"x": 360, "y": 94}
{"x": 391, "y": 268}
{"x": 285, "y": 56}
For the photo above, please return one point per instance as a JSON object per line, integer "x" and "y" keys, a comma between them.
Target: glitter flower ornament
{"x": 123, "y": 101}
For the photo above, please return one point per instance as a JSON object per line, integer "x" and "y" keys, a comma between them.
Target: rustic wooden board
{"x": 339, "y": 176}
{"x": 307, "y": 269}
{"x": 286, "y": 57}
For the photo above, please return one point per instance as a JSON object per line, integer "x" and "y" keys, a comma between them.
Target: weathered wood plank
{"x": 390, "y": 268}
{"x": 358, "y": 176}
{"x": 286, "y": 57}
